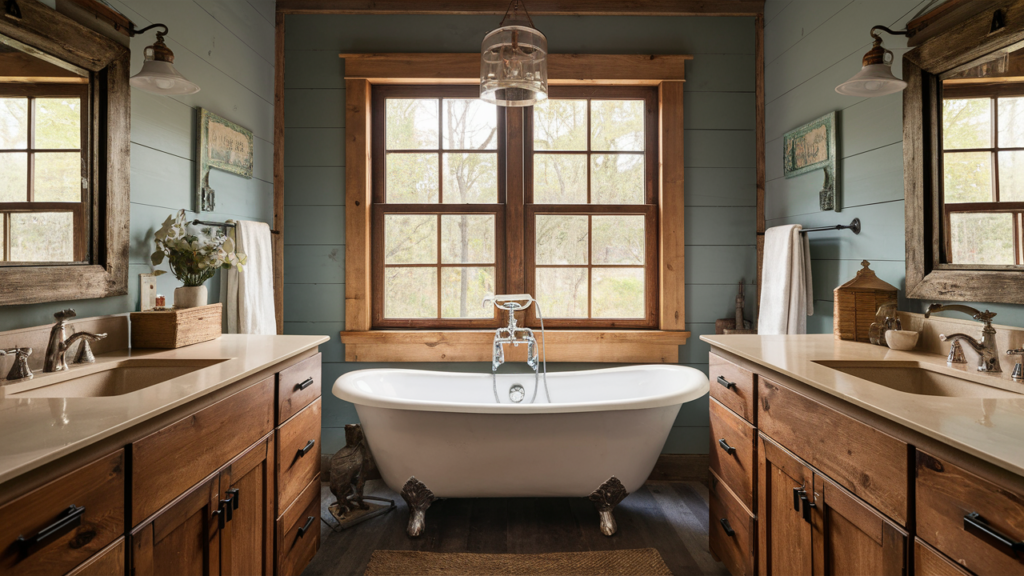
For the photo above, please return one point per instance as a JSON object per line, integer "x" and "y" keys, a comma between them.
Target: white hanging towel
{"x": 786, "y": 292}
{"x": 249, "y": 294}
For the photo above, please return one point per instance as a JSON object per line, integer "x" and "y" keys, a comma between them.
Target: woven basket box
{"x": 175, "y": 327}
{"x": 856, "y": 302}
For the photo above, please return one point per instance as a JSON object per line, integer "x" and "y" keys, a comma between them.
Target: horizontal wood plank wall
{"x": 538, "y": 8}
{"x": 801, "y": 73}
{"x": 719, "y": 169}
{"x": 228, "y": 50}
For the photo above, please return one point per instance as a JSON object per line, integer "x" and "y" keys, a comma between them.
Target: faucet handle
{"x": 956, "y": 352}
{"x": 20, "y": 367}
{"x": 1018, "y": 369}
{"x": 65, "y": 314}
{"x": 985, "y": 316}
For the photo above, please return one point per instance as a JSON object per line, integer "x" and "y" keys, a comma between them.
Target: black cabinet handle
{"x": 807, "y": 504}
{"x": 305, "y": 449}
{"x": 309, "y": 522}
{"x": 70, "y": 518}
{"x": 226, "y": 506}
{"x": 235, "y": 497}
{"x": 219, "y": 513}
{"x": 796, "y": 497}
{"x": 305, "y": 384}
{"x": 976, "y": 525}
{"x": 728, "y": 529}
{"x": 726, "y": 383}
{"x": 725, "y": 446}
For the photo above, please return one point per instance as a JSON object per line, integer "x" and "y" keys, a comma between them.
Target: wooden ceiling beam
{"x": 535, "y": 7}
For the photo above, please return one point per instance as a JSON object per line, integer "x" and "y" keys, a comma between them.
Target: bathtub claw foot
{"x": 419, "y": 498}
{"x": 605, "y": 499}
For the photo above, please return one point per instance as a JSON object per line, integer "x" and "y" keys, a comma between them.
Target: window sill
{"x": 656, "y": 346}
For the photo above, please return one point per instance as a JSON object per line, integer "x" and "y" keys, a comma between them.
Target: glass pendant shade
{"x": 514, "y": 66}
{"x": 872, "y": 80}
{"x": 158, "y": 74}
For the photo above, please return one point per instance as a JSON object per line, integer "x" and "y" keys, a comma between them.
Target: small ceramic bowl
{"x": 901, "y": 339}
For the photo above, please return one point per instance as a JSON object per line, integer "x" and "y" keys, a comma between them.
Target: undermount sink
{"x": 116, "y": 379}
{"x": 916, "y": 378}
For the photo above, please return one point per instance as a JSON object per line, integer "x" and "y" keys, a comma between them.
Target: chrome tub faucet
{"x": 988, "y": 354}
{"x": 57, "y": 348}
{"x": 513, "y": 334}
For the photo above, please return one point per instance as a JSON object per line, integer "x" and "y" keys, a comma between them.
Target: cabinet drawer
{"x": 867, "y": 462}
{"x": 947, "y": 495}
{"x": 928, "y": 562}
{"x": 732, "y": 452}
{"x": 64, "y": 522}
{"x": 297, "y": 386}
{"x": 298, "y": 454}
{"x": 171, "y": 460}
{"x": 733, "y": 386}
{"x": 730, "y": 530}
{"x": 109, "y": 562}
{"x": 298, "y": 531}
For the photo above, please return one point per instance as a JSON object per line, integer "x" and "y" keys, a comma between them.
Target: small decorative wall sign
{"x": 221, "y": 144}
{"x": 812, "y": 147}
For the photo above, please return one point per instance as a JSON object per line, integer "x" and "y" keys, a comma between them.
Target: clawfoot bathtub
{"x": 448, "y": 435}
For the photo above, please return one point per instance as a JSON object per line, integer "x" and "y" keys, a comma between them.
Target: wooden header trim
{"x": 563, "y": 69}
{"x": 536, "y": 7}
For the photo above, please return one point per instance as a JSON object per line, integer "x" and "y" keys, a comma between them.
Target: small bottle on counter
{"x": 161, "y": 302}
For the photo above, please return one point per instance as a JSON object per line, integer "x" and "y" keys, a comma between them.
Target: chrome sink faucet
{"x": 57, "y": 348}
{"x": 513, "y": 333}
{"x": 988, "y": 354}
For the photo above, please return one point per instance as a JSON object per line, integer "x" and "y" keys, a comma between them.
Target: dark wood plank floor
{"x": 672, "y": 517}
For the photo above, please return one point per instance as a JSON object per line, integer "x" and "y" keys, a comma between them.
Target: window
{"x": 443, "y": 234}
{"x": 42, "y": 193}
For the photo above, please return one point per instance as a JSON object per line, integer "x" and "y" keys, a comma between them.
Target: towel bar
{"x": 855, "y": 226}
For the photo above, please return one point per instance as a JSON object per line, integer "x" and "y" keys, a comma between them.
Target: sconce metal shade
{"x": 158, "y": 75}
{"x": 514, "y": 63}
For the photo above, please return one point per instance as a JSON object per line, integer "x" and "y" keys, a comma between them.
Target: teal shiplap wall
{"x": 719, "y": 160}
{"x": 227, "y": 48}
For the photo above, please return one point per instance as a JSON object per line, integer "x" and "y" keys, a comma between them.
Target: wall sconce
{"x": 875, "y": 77}
{"x": 514, "y": 62}
{"x": 158, "y": 74}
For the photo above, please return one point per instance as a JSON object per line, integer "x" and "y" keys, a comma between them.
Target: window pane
{"x": 559, "y": 179}
{"x": 966, "y": 123}
{"x": 617, "y": 178}
{"x": 470, "y": 178}
{"x": 42, "y": 237}
{"x": 968, "y": 176}
{"x": 13, "y": 123}
{"x": 981, "y": 238}
{"x": 1011, "y": 122}
{"x": 617, "y": 125}
{"x": 410, "y": 239}
{"x": 410, "y": 292}
{"x": 467, "y": 239}
{"x": 58, "y": 123}
{"x": 14, "y": 177}
{"x": 58, "y": 177}
{"x": 618, "y": 293}
{"x": 560, "y": 125}
{"x": 470, "y": 125}
{"x": 411, "y": 179}
{"x": 562, "y": 292}
{"x": 561, "y": 239}
{"x": 463, "y": 291}
{"x": 1011, "y": 176}
{"x": 618, "y": 240}
{"x": 411, "y": 124}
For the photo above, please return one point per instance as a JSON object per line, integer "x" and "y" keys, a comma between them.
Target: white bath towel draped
{"x": 786, "y": 293}
{"x": 248, "y": 295}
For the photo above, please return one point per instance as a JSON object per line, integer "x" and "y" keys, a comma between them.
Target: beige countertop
{"x": 991, "y": 428}
{"x": 36, "y": 431}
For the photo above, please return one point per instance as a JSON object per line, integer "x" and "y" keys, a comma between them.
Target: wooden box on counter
{"x": 175, "y": 328}
{"x": 856, "y": 302}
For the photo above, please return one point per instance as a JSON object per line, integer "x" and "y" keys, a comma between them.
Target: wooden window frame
{"x": 54, "y": 37}
{"x": 661, "y": 343}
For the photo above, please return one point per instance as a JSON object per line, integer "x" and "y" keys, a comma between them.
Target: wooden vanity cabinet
{"x": 785, "y": 496}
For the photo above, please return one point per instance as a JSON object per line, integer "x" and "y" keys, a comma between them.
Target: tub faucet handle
{"x": 499, "y": 356}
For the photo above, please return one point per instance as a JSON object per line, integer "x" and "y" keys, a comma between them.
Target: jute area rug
{"x": 643, "y": 562}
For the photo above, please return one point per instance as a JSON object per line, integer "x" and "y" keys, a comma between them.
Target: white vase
{"x": 190, "y": 296}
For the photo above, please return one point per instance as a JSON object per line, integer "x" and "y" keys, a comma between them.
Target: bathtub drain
{"x": 516, "y": 393}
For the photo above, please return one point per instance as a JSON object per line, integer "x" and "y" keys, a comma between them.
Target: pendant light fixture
{"x": 875, "y": 77}
{"x": 514, "y": 61}
{"x": 158, "y": 74}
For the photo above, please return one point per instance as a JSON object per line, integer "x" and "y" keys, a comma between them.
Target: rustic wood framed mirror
{"x": 64, "y": 160}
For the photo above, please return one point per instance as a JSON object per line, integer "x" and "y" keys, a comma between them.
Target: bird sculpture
{"x": 349, "y": 469}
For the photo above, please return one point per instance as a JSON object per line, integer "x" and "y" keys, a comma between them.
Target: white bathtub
{"x": 447, "y": 430}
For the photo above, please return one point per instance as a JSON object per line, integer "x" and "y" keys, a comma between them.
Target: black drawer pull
{"x": 726, "y": 383}
{"x": 305, "y": 384}
{"x": 305, "y": 449}
{"x": 226, "y": 506}
{"x": 70, "y": 518}
{"x": 728, "y": 529}
{"x": 725, "y": 446}
{"x": 236, "y": 495}
{"x": 976, "y": 525}
{"x": 309, "y": 522}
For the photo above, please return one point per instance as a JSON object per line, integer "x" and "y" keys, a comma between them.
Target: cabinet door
{"x": 184, "y": 538}
{"x": 247, "y": 488}
{"x": 851, "y": 538}
{"x": 786, "y": 491}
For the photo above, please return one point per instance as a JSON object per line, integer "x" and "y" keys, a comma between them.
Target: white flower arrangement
{"x": 194, "y": 258}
